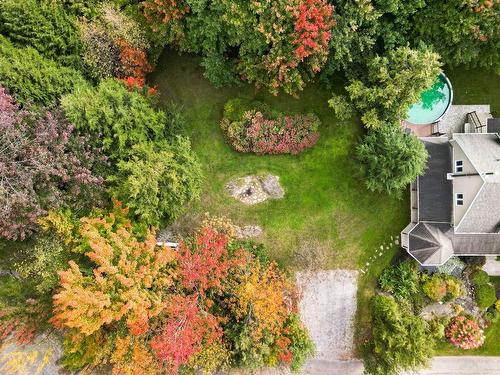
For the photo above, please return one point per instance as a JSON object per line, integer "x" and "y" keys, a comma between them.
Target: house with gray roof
{"x": 455, "y": 205}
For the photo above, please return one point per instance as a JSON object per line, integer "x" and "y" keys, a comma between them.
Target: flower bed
{"x": 262, "y": 131}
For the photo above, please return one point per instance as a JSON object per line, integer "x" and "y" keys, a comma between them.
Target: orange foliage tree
{"x": 145, "y": 309}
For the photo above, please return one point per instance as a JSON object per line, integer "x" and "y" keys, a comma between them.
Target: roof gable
{"x": 483, "y": 151}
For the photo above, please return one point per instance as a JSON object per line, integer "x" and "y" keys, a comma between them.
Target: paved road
{"x": 466, "y": 365}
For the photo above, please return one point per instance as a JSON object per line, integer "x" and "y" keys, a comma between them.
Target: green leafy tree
{"x": 397, "y": 21}
{"x": 463, "y": 32}
{"x": 400, "y": 340}
{"x": 155, "y": 172}
{"x": 392, "y": 84}
{"x": 117, "y": 117}
{"x": 277, "y": 44}
{"x": 31, "y": 77}
{"x": 390, "y": 160}
{"x": 156, "y": 182}
{"x": 43, "y": 25}
{"x": 354, "y": 35}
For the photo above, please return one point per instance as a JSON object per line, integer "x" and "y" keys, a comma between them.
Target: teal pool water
{"x": 433, "y": 103}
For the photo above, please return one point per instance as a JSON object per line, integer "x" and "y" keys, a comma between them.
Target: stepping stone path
{"x": 255, "y": 189}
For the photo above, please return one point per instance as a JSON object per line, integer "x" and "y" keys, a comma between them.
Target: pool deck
{"x": 452, "y": 122}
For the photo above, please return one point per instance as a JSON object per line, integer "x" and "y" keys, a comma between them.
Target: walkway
{"x": 492, "y": 266}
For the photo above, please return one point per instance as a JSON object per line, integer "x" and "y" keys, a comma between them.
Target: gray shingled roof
{"x": 483, "y": 150}
{"x": 493, "y": 125}
{"x": 435, "y": 190}
{"x": 430, "y": 243}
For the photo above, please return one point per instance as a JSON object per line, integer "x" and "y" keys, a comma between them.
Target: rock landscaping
{"x": 255, "y": 189}
{"x": 248, "y": 231}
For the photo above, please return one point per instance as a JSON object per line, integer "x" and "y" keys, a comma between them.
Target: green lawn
{"x": 325, "y": 203}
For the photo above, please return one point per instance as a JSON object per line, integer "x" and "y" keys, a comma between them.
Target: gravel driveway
{"x": 328, "y": 308}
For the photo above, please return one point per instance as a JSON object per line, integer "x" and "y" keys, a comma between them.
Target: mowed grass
{"x": 325, "y": 203}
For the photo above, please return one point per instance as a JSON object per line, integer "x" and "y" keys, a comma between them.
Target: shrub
{"x": 435, "y": 287}
{"x": 43, "y": 164}
{"x": 497, "y": 305}
{"x": 121, "y": 26}
{"x": 464, "y": 333}
{"x": 403, "y": 280}
{"x": 485, "y": 295}
{"x": 43, "y": 25}
{"x": 300, "y": 345}
{"x": 479, "y": 277}
{"x": 115, "y": 45}
{"x": 441, "y": 287}
{"x": 101, "y": 54}
{"x": 33, "y": 78}
{"x": 390, "y": 160}
{"x": 454, "y": 288}
{"x": 256, "y": 132}
{"x": 156, "y": 173}
{"x": 390, "y": 85}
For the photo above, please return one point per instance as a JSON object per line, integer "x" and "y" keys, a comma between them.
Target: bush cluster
{"x": 484, "y": 291}
{"x": 441, "y": 287}
{"x": 263, "y": 132}
{"x": 156, "y": 173}
{"x": 114, "y": 45}
{"x": 44, "y": 165}
{"x": 43, "y": 25}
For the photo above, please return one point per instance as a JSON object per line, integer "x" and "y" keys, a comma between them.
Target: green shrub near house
{"x": 440, "y": 287}
{"x": 485, "y": 295}
{"x": 484, "y": 291}
{"x": 389, "y": 160}
{"x": 480, "y": 277}
{"x": 401, "y": 340}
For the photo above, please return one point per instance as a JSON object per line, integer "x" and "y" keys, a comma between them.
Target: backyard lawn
{"x": 325, "y": 205}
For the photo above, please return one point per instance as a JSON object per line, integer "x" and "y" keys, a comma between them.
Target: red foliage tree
{"x": 314, "y": 21}
{"x": 134, "y": 61}
{"x": 186, "y": 331}
{"x": 207, "y": 263}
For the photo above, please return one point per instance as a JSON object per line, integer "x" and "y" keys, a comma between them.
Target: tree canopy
{"x": 390, "y": 160}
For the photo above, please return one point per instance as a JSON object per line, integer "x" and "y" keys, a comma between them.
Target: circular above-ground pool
{"x": 433, "y": 103}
